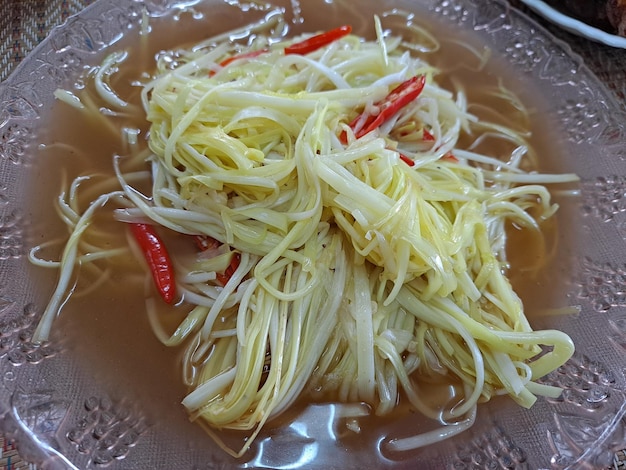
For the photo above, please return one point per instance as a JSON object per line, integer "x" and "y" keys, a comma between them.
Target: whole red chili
{"x": 158, "y": 259}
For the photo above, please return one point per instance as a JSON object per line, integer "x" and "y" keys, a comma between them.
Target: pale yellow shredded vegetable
{"x": 366, "y": 262}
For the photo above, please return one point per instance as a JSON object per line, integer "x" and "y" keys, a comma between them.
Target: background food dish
{"x": 574, "y": 25}
{"x": 594, "y": 125}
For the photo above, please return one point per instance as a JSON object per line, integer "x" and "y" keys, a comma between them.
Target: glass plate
{"x": 73, "y": 403}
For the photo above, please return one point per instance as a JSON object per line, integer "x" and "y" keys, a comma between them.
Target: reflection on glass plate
{"x": 574, "y": 25}
{"x": 73, "y": 402}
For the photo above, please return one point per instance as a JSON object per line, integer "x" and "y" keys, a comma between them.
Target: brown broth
{"x": 107, "y": 331}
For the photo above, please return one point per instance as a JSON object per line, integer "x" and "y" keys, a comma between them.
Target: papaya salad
{"x": 347, "y": 244}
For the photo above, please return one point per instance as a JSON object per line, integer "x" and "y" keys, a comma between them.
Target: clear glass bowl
{"x": 73, "y": 403}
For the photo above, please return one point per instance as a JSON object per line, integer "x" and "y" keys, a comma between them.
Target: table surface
{"x": 25, "y": 23}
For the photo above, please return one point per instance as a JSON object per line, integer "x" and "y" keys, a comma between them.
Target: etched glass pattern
{"x": 62, "y": 417}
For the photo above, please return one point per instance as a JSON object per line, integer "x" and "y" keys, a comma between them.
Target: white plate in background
{"x": 573, "y": 25}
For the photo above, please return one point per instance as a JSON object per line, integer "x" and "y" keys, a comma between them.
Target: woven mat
{"x": 10, "y": 458}
{"x": 25, "y": 23}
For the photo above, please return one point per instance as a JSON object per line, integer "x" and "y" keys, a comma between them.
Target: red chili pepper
{"x": 407, "y": 160}
{"x": 318, "y": 41}
{"x": 304, "y": 47}
{"x": 427, "y": 136}
{"x": 157, "y": 258}
{"x": 245, "y": 55}
{"x": 224, "y": 277}
{"x": 399, "y": 97}
{"x": 449, "y": 157}
{"x": 204, "y": 242}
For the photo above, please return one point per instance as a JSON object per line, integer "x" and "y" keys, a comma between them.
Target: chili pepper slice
{"x": 204, "y": 242}
{"x": 397, "y": 99}
{"x": 158, "y": 259}
{"x": 304, "y": 47}
{"x": 224, "y": 277}
{"x": 407, "y": 160}
{"x": 318, "y": 41}
{"x": 427, "y": 136}
{"x": 245, "y": 55}
{"x": 449, "y": 157}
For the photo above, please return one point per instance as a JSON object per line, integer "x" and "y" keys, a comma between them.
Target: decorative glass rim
{"x": 584, "y": 427}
